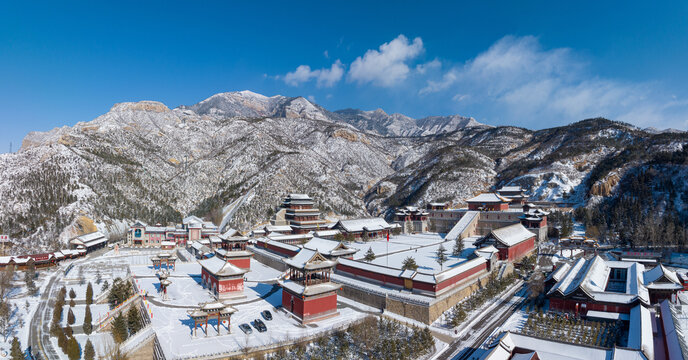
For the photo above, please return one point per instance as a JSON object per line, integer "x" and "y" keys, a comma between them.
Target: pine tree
{"x": 89, "y": 351}
{"x": 369, "y": 255}
{"x": 458, "y": 247}
{"x": 105, "y": 286}
{"x": 89, "y": 294}
{"x": 409, "y": 264}
{"x": 16, "y": 352}
{"x": 29, "y": 275}
{"x": 73, "y": 351}
{"x": 88, "y": 327}
{"x": 119, "y": 329}
{"x": 70, "y": 317}
{"x": 441, "y": 255}
{"x": 133, "y": 320}
{"x": 68, "y": 331}
{"x": 72, "y": 294}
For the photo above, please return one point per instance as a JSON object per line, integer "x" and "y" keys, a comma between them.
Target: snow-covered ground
{"x": 425, "y": 257}
{"x": 19, "y": 298}
{"x": 175, "y": 329}
{"x": 395, "y": 243}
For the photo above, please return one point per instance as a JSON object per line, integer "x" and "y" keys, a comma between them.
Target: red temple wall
{"x": 244, "y": 263}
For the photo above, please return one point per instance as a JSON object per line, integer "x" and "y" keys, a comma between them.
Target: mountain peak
{"x": 145, "y": 105}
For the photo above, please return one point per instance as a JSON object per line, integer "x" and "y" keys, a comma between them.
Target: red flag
{"x": 388, "y": 236}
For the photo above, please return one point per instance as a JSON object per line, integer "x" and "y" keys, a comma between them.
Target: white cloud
{"x": 324, "y": 77}
{"x": 431, "y": 65}
{"x": 517, "y": 81}
{"x": 387, "y": 66}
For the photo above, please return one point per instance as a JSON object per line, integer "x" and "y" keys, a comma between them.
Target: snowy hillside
{"x": 143, "y": 160}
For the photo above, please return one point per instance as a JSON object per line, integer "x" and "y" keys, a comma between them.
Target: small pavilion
{"x": 308, "y": 294}
{"x": 234, "y": 251}
{"x": 211, "y": 310}
{"x": 223, "y": 278}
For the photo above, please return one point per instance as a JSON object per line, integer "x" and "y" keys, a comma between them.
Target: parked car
{"x": 260, "y": 325}
{"x": 266, "y": 315}
{"x": 246, "y": 329}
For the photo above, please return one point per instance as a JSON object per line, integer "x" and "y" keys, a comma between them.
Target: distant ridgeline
{"x": 144, "y": 161}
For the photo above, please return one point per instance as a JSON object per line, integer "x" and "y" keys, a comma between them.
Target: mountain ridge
{"x": 143, "y": 160}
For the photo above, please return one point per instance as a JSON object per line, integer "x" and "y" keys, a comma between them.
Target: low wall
{"x": 425, "y": 313}
{"x": 269, "y": 260}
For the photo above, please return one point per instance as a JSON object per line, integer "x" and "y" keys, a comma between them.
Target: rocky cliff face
{"x": 145, "y": 161}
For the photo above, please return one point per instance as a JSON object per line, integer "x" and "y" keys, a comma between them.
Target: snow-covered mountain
{"x": 143, "y": 160}
{"x": 402, "y": 125}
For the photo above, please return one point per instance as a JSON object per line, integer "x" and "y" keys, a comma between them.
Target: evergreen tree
{"x": 72, "y": 294}
{"x": 119, "y": 329}
{"x": 73, "y": 351}
{"x": 89, "y": 351}
{"x": 16, "y": 351}
{"x": 70, "y": 317}
{"x": 409, "y": 264}
{"x": 409, "y": 227}
{"x": 369, "y": 255}
{"x": 88, "y": 327}
{"x": 29, "y": 275}
{"x": 134, "y": 322}
{"x": 441, "y": 255}
{"x": 105, "y": 286}
{"x": 89, "y": 294}
{"x": 458, "y": 247}
{"x": 68, "y": 331}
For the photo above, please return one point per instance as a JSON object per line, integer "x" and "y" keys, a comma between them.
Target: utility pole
{"x": 10, "y": 146}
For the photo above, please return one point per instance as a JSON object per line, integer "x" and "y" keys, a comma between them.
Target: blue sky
{"x": 529, "y": 63}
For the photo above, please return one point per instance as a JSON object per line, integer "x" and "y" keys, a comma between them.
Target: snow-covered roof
{"x": 379, "y": 269}
{"x": 156, "y": 229}
{"x": 229, "y": 233}
{"x": 279, "y": 244}
{"x": 189, "y": 219}
{"x": 322, "y": 233}
{"x": 674, "y": 333}
{"x": 329, "y": 247}
{"x": 512, "y": 234}
{"x": 299, "y": 196}
{"x": 640, "y": 331}
{"x": 510, "y": 189}
{"x": 369, "y": 224}
{"x": 559, "y": 272}
{"x": 218, "y": 266}
{"x": 282, "y": 237}
{"x": 278, "y": 228}
{"x": 309, "y": 260}
{"x": 167, "y": 243}
{"x": 591, "y": 276}
{"x": 488, "y": 198}
{"x": 139, "y": 223}
{"x": 658, "y": 273}
{"x": 310, "y": 289}
{"x": 89, "y": 240}
{"x": 458, "y": 269}
{"x": 553, "y": 350}
{"x": 465, "y": 221}
{"x": 487, "y": 252}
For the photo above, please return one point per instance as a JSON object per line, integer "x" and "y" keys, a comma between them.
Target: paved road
{"x": 463, "y": 348}
{"x": 39, "y": 332}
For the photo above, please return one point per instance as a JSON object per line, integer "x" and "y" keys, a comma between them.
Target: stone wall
{"x": 143, "y": 352}
{"x": 269, "y": 260}
{"x": 419, "y": 312}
